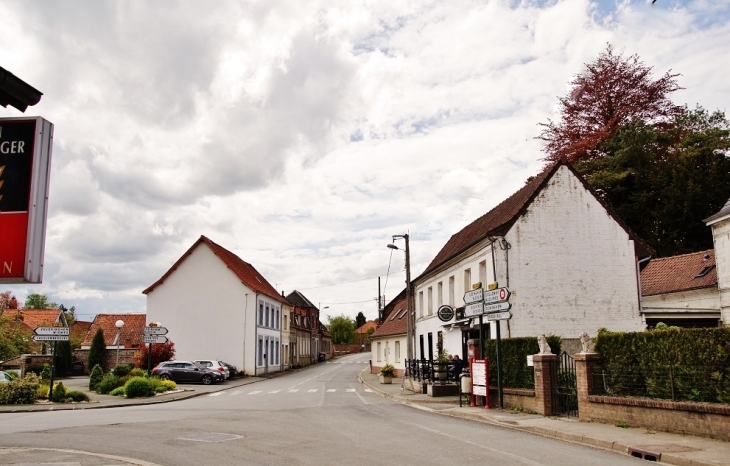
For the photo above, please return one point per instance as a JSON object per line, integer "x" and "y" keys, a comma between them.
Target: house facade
{"x": 388, "y": 342}
{"x": 215, "y": 305}
{"x": 720, "y": 224}
{"x": 570, "y": 264}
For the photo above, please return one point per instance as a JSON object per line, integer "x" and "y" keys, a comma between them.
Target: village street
{"x": 320, "y": 415}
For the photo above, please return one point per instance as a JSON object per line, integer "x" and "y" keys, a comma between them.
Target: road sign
{"x": 155, "y": 331}
{"x": 474, "y": 296}
{"x": 499, "y": 316}
{"x": 497, "y": 307}
{"x": 154, "y": 338}
{"x": 474, "y": 309}
{"x": 50, "y": 337}
{"x": 52, "y": 331}
{"x": 495, "y": 296}
{"x": 445, "y": 313}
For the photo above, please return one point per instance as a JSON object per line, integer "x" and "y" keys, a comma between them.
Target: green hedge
{"x": 678, "y": 364}
{"x": 515, "y": 372}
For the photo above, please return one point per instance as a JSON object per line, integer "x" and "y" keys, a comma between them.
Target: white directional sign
{"x": 154, "y": 338}
{"x": 495, "y": 296}
{"x": 155, "y": 331}
{"x": 50, "y": 337}
{"x": 497, "y": 307}
{"x": 499, "y": 316}
{"x": 52, "y": 331}
{"x": 474, "y": 296}
{"x": 474, "y": 309}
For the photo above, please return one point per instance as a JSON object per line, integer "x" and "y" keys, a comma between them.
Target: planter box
{"x": 443, "y": 390}
{"x": 385, "y": 379}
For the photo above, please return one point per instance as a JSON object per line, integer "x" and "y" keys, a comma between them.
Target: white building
{"x": 720, "y": 224}
{"x": 570, "y": 264}
{"x": 215, "y": 305}
{"x": 388, "y": 342}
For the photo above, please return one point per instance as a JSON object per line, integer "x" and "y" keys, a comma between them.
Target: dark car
{"x": 187, "y": 372}
{"x": 231, "y": 369}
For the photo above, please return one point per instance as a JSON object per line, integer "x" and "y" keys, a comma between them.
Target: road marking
{"x": 294, "y": 390}
{"x": 350, "y": 390}
{"x": 237, "y": 392}
{"x": 216, "y": 394}
{"x": 313, "y": 390}
{"x": 331, "y": 390}
{"x": 254, "y": 392}
{"x": 367, "y": 390}
{"x": 274, "y": 391}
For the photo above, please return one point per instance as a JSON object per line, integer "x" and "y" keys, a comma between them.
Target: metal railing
{"x": 432, "y": 371}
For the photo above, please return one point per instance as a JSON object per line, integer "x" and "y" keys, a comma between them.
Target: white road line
{"x": 294, "y": 390}
{"x": 254, "y": 392}
{"x": 216, "y": 394}
{"x": 274, "y": 391}
{"x": 313, "y": 390}
{"x": 350, "y": 390}
{"x": 367, "y": 390}
{"x": 331, "y": 390}
{"x": 237, "y": 392}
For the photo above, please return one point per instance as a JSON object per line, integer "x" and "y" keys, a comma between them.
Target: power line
{"x": 345, "y": 283}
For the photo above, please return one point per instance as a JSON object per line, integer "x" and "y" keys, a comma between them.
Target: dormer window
{"x": 704, "y": 271}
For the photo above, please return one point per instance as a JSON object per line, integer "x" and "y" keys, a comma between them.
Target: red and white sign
{"x": 480, "y": 381}
{"x": 25, "y": 162}
{"x": 495, "y": 296}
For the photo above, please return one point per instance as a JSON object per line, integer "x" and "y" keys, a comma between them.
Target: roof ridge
{"x": 684, "y": 255}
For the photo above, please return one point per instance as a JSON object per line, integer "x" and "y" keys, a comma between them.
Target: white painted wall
{"x": 721, "y": 238}
{"x": 705, "y": 300}
{"x": 389, "y": 351}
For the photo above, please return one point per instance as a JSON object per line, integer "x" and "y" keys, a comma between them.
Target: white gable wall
{"x": 202, "y": 304}
{"x": 721, "y": 238}
{"x": 704, "y": 302}
{"x": 571, "y": 266}
{"x": 389, "y": 349}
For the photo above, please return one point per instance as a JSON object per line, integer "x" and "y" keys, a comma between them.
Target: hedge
{"x": 515, "y": 372}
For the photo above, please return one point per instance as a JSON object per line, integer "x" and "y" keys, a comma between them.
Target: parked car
{"x": 233, "y": 370}
{"x": 187, "y": 371}
{"x": 5, "y": 377}
{"x": 215, "y": 365}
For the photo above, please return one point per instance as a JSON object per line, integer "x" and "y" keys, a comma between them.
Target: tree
{"x": 64, "y": 358}
{"x": 160, "y": 353}
{"x": 360, "y": 320}
{"x": 97, "y": 351}
{"x": 370, "y": 332}
{"x": 342, "y": 329}
{"x": 611, "y": 92}
{"x": 7, "y": 301}
{"x": 38, "y": 301}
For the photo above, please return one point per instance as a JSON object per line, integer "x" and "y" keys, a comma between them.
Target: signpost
{"x": 50, "y": 331}
{"x": 474, "y": 296}
{"x": 494, "y": 296}
{"x": 474, "y": 309}
{"x": 53, "y": 334}
{"x": 154, "y": 339}
{"x": 153, "y": 334}
{"x": 50, "y": 337}
{"x": 496, "y": 307}
{"x": 499, "y": 316}
{"x": 480, "y": 381}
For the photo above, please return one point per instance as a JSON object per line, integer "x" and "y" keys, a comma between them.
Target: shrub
{"x": 387, "y": 370}
{"x": 77, "y": 396}
{"x": 59, "y": 393}
{"x": 515, "y": 373}
{"x": 138, "y": 387}
{"x": 13, "y": 374}
{"x": 21, "y": 391}
{"x": 119, "y": 391}
{"x": 138, "y": 372}
{"x": 108, "y": 383}
{"x": 123, "y": 369}
{"x": 46, "y": 372}
{"x": 161, "y": 389}
{"x": 43, "y": 391}
{"x": 97, "y": 373}
{"x": 168, "y": 384}
{"x": 64, "y": 358}
{"x": 35, "y": 369}
{"x": 97, "y": 351}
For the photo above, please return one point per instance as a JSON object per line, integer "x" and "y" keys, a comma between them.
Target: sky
{"x": 303, "y": 135}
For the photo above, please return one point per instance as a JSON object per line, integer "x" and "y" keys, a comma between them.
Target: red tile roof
{"x": 367, "y": 326}
{"x": 33, "y": 318}
{"x": 80, "y": 328}
{"x": 499, "y": 220}
{"x": 130, "y": 335}
{"x": 395, "y": 322}
{"x": 246, "y": 272}
{"x": 677, "y": 273}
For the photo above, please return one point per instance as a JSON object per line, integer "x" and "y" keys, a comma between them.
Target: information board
{"x": 479, "y": 377}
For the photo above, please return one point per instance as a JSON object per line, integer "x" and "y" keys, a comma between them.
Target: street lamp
{"x": 119, "y": 324}
{"x": 409, "y": 322}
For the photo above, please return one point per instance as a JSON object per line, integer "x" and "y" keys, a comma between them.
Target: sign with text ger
{"x": 474, "y": 296}
{"x": 495, "y": 296}
{"x": 154, "y": 330}
{"x": 154, "y": 338}
{"x": 52, "y": 331}
{"x": 474, "y": 309}
{"x": 25, "y": 160}
{"x": 50, "y": 337}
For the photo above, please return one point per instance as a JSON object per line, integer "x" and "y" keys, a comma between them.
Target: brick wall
{"x": 514, "y": 398}
{"x": 126, "y": 356}
{"x": 347, "y": 349}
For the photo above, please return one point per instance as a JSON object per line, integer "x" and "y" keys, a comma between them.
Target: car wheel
{"x": 165, "y": 377}
{"x": 207, "y": 380}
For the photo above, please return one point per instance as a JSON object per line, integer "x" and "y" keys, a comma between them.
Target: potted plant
{"x": 386, "y": 373}
{"x": 442, "y": 361}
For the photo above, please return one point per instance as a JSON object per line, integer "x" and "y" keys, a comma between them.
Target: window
{"x": 285, "y": 327}
{"x": 467, "y": 280}
{"x": 451, "y": 291}
{"x": 379, "y": 353}
{"x": 704, "y": 271}
{"x": 420, "y": 303}
{"x": 266, "y": 314}
{"x": 276, "y": 322}
{"x": 261, "y": 313}
{"x": 277, "y": 351}
{"x": 261, "y": 351}
{"x": 430, "y": 346}
{"x": 440, "y": 295}
{"x": 483, "y": 273}
{"x": 420, "y": 340}
{"x": 430, "y": 300}
{"x": 397, "y": 351}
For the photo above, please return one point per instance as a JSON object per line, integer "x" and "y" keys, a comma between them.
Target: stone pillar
{"x": 585, "y": 367}
{"x": 545, "y": 369}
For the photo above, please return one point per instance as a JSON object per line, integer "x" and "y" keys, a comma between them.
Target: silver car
{"x": 5, "y": 377}
{"x": 215, "y": 365}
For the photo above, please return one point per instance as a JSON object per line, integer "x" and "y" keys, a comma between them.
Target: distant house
{"x": 130, "y": 335}
{"x": 216, "y": 305}
{"x": 361, "y": 334}
{"x": 27, "y": 320}
{"x": 569, "y": 262}
{"x": 307, "y": 326}
{"x": 681, "y": 291}
{"x": 389, "y": 339}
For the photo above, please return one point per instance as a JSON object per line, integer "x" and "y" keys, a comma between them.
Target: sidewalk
{"x": 680, "y": 450}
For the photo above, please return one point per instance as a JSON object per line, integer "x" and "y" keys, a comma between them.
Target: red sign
{"x": 24, "y": 165}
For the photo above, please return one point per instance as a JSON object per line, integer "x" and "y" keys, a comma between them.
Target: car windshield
{"x": 198, "y": 365}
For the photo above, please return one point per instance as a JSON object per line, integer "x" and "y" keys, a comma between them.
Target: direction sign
{"x": 495, "y": 296}
{"x": 496, "y": 307}
{"x": 52, "y": 331}
{"x": 499, "y": 316}
{"x": 154, "y": 338}
{"x": 474, "y": 309}
{"x": 474, "y": 296}
{"x": 155, "y": 331}
{"x": 50, "y": 337}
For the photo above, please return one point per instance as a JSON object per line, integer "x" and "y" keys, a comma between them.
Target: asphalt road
{"x": 320, "y": 415}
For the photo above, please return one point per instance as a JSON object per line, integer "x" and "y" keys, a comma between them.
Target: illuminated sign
{"x": 25, "y": 161}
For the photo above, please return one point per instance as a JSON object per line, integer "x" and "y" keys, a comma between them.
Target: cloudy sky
{"x": 301, "y": 135}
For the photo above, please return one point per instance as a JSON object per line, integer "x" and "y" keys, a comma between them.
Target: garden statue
{"x": 544, "y": 347}
{"x": 586, "y": 342}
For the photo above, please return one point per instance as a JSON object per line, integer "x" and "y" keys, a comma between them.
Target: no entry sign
{"x": 25, "y": 161}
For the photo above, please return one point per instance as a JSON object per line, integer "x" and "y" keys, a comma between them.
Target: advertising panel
{"x": 25, "y": 162}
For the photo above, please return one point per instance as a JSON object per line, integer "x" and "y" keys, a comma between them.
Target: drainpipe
{"x": 638, "y": 285}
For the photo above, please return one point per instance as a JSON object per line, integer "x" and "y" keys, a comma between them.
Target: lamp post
{"x": 409, "y": 321}
{"x": 119, "y": 324}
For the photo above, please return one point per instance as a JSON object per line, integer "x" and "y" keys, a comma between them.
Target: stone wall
{"x": 126, "y": 356}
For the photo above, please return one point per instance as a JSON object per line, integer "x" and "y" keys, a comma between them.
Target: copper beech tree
{"x": 611, "y": 92}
